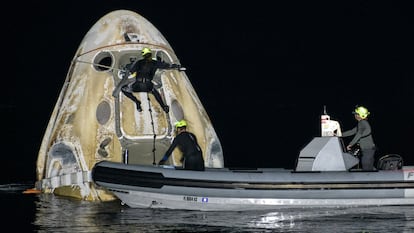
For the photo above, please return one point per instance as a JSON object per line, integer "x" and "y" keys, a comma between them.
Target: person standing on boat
{"x": 143, "y": 71}
{"x": 362, "y": 137}
{"x": 187, "y": 142}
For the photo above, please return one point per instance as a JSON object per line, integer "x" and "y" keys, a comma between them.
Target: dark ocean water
{"x": 50, "y": 213}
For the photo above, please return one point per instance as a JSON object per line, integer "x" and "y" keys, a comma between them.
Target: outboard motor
{"x": 390, "y": 162}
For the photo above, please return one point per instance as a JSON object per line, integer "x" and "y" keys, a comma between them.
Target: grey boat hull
{"x": 223, "y": 189}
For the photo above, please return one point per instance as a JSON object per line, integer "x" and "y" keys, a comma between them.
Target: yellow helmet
{"x": 180, "y": 124}
{"x": 145, "y": 51}
{"x": 361, "y": 111}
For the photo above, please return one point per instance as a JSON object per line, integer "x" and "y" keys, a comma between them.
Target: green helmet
{"x": 180, "y": 124}
{"x": 145, "y": 51}
{"x": 361, "y": 111}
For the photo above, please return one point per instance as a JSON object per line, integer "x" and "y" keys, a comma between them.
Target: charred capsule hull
{"x": 226, "y": 189}
{"x": 93, "y": 121}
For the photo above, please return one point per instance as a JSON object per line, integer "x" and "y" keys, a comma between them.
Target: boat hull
{"x": 225, "y": 189}
{"x": 137, "y": 199}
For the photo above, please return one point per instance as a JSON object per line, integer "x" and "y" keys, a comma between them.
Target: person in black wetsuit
{"x": 187, "y": 142}
{"x": 143, "y": 71}
{"x": 363, "y": 138}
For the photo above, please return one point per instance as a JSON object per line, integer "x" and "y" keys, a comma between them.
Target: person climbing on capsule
{"x": 192, "y": 157}
{"x": 143, "y": 71}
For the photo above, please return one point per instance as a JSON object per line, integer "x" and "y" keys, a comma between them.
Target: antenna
{"x": 324, "y": 110}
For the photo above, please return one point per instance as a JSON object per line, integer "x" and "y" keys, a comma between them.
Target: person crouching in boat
{"x": 363, "y": 137}
{"x": 187, "y": 142}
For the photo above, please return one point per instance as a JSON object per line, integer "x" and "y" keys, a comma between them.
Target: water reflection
{"x": 356, "y": 219}
{"x": 49, "y": 213}
{"x": 59, "y": 214}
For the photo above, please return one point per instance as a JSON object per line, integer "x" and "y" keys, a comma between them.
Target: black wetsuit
{"x": 192, "y": 154}
{"x": 146, "y": 69}
{"x": 363, "y": 137}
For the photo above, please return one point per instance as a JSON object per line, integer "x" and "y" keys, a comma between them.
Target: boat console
{"x": 326, "y": 153}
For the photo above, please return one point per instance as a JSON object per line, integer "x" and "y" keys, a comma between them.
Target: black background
{"x": 263, "y": 70}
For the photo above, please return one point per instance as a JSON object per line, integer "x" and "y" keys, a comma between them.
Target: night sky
{"x": 263, "y": 71}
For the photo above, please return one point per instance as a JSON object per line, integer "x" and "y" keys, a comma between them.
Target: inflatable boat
{"x": 325, "y": 175}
